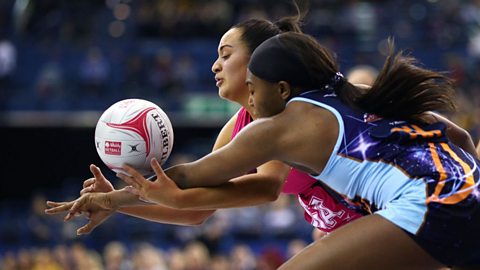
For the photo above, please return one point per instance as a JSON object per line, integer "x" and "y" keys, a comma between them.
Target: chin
{"x": 224, "y": 94}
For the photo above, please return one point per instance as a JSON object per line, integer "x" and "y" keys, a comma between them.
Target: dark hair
{"x": 402, "y": 90}
{"x": 317, "y": 63}
{"x": 256, "y": 31}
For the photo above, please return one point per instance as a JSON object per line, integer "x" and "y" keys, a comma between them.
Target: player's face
{"x": 230, "y": 68}
{"x": 265, "y": 98}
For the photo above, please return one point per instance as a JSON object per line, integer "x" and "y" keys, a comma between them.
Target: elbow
{"x": 199, "y": 218}
{"x": 272, "y": 197}
{"x": 178, "y": 175}
{"x": 465, "y": 136}
{"x": 463, "y": 139}
{"x": 274, "y": 191}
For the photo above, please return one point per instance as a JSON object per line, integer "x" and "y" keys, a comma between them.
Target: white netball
{"x": 133, "y": 131}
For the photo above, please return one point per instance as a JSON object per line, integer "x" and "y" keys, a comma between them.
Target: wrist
{"x": 109, "y": 201}
{"x": 121, "y": 197}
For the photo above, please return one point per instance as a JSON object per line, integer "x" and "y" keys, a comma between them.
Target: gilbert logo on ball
{"x": 133, "y": 131}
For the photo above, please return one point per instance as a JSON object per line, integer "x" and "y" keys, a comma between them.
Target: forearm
{"x": 130, "y": 204}
{"x": 190, "y": 175}
{"x": 120, "y": 198}
{"x": 244, "y": 191}
{"x": 161, "y": 214}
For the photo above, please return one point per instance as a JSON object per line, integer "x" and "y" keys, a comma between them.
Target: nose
{"x": 216, "y": 67}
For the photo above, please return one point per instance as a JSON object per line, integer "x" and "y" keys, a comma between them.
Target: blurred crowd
{"x": 84, "y": 55}
{"x": 144, "y": 256}
{"x": 245, "y": 238}
{"x": 54, "y": 58}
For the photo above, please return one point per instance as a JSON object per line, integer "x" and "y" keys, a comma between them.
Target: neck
{"x": 244, "y": 104}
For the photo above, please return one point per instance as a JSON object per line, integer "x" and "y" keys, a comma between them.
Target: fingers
{"x": 134, "y": 181}
{"x": 129, "y": 180}
{"x": 55, "y": 204}
{"x": 97, "y": 173}
{"x": 77, "y": 204}
{"x": 88, "y": 182}
{"x": 88, "y": 185}
{"x": 58, "y": 207}
{"x": 130, "y": 170}
{"x": 158, "y": 169}
{"x": 87, "y": 190}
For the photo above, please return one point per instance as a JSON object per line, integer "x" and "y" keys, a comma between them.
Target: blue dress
{"x": 409, "y": 174}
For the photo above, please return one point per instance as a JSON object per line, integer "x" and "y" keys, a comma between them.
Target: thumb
{"x": 158, "y": 170}
{"x": 97, "y": 173}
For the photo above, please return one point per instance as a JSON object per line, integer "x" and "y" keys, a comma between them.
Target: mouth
{"x": 219, "y": 82}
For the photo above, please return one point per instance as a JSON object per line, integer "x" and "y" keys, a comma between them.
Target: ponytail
{"x": 404, "y": 91}
{"x": 293, "y": 23}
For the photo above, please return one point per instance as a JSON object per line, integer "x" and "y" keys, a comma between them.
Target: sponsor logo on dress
{"x": 322, "y": 216}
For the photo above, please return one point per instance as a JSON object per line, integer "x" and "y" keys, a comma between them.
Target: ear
{"x": 284, "y": 90}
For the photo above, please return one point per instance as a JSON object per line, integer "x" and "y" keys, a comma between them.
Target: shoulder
{"x": 298, "y": 135}
{"x": 299, "y": 121}
{"x": 226, "y": 132}
{"x": 304, "y": 113}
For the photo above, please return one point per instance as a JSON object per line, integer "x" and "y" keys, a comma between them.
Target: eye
{"x": 225, "y": 57}
{"x": 251, "y": 90}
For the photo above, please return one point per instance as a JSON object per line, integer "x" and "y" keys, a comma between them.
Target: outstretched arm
{"x": 156, "y": 213}
{"x": 302, "y": 135}
{"x": 247, "y": 190}
{"x": 281, "y": 137}
{"x": 252, "y": 147}
{"x": 99, "y": 206}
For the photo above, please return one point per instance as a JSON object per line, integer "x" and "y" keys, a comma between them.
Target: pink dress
{"x": 323, "y": 208}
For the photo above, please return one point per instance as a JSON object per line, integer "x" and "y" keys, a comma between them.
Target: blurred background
{"x": 63, "y": 62}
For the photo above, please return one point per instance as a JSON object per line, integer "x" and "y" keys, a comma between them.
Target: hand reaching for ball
{"x": 162, "y": 191}
{"x": 98, "y": 183}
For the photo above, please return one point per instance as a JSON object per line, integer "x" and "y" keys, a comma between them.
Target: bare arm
{"x": 455, "y": 133}
{"x": 282, "y": 137}
{"x": 162, "y": 214}
{"x": 252, "y": 147}
{"x": 156, "y": 213}
{"x": 247, "y": 190}
{"x": 478, "y": 149}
